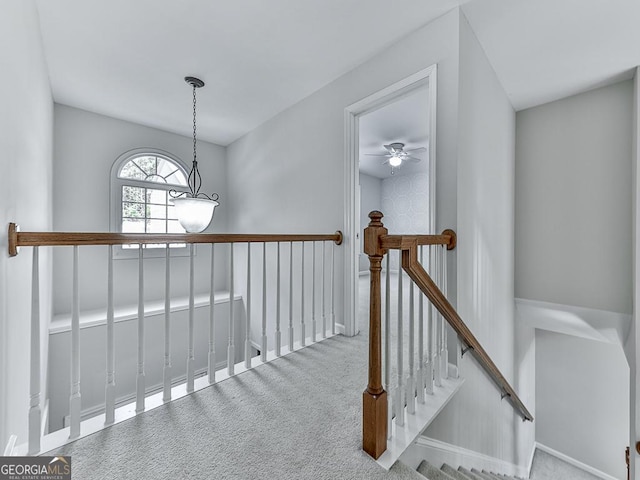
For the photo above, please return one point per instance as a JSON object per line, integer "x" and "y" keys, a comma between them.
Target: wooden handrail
{"x": 397, "y": 242}
{"x": 421, "y": 278}
{"x": 377, "y": 242}
{"x": 33, "y": 239}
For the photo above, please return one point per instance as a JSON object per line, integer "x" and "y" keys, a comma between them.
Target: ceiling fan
{"x": 396, "y": 155}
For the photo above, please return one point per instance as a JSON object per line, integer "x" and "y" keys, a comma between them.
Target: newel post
{"x": 374, "y": 415}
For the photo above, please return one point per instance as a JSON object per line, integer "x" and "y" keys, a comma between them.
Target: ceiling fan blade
{"x": 413, "y": 159}
{"x": 376, "y": 154}
{"x": 419, "y": 149}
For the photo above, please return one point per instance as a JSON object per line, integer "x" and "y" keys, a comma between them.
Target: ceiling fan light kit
{"x": 396, "y": 155}
{"x": 395, "y": 161}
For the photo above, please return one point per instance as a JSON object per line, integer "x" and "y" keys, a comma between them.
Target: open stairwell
{"x": 446, "y": 472}
{"x": 544, "y": 467}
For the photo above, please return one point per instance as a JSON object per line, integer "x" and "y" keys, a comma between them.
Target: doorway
{"x": 391, "y": 165}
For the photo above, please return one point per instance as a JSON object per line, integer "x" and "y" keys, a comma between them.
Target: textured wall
{"x": 405, "y": 204}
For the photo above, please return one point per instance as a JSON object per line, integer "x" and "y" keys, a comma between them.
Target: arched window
{"x": 140, "y": 185}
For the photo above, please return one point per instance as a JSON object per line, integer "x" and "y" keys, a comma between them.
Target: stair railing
{"x": 144, "y": 399}
{"x": 376, "y": 412}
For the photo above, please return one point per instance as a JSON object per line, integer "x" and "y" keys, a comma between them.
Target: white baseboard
{"x": 530, "y": 464}
{"x": 574, "y": 462}
{"x": 437, "y": 453}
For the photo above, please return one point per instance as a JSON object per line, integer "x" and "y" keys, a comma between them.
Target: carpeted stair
{"x": 545, "y": 467}
{"x": 446, "y": 472}
{"x": 483, "y": 475}
{"x": 431, "y": 472}
{"x": 453, "y": 473}
{"x": 470, "y": 474}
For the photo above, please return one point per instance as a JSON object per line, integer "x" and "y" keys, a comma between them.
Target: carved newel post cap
{"x": 376, "y": 218}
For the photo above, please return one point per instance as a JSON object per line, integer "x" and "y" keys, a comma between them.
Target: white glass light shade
{"x": 194, "y": 214}
{"x": 395, "y": 161}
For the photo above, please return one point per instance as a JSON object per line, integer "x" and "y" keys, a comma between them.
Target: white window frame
{"x": 115, "y": 200}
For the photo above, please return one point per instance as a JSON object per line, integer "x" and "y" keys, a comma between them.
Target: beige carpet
{"x": 297, "y": 417}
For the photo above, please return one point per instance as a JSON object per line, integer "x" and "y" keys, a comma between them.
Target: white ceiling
{"x": 543, "y": 50}
{"x": 127, "y": 58}
{"x": 405, "y": 120}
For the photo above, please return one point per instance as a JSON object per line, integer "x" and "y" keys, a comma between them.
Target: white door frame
{"x": 352, "y": 113}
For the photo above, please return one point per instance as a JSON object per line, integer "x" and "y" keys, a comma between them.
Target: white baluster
{"x": 212, "y": 324}
{"x": 420, "y": 372}
{"x": 231, "y": 348}
{"x": 35, "y": 414}
{"x": 75, "y": 399}
{"x": 278, "y": 332}
{"x": 428, "y": 374}
{"x": 445, "y": 348}
{"x": 247, "y": 337}
{"x": 324, "y": 300}
{"x": 400, "y": 388}
{"x": 437, "y": 336}
{"x": 387, "y": 344}
{"x": 140, "y": 378}
{"x": 291, "y": 296}
{"x": 333, "y": 289}
{"x": 411, "y": 396}
{"x": 166, "y": 370}
{"x": 191, "y": 360}
{"x": 263, "y": 346}
{"x": 313, "y": 292}
{"x": 302, "y": 325}
{"x": 458, "y": 342}
{"x": 110, "y": 388}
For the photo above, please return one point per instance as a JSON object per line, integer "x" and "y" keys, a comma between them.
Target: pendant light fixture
{"x": 194, "y": 208}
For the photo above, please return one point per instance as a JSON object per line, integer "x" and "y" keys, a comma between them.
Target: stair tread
{"x": 485, "y": 476}
{"x": 495, "y": 476}
{"x": 470, "y": 474}
{"x": 456, "y": 474}
{"x": 432, "y": 473}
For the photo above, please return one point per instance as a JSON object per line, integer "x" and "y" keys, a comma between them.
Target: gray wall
{"x": 26, "y": 131}
{"x": 288, "y": 175}
{"x": 476, "y": 418}
{"x": 573, "y": 189}
{"x": 582, "y": 400}
{"x": 86, "y": 146}
{"x": 573, "y": 203}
